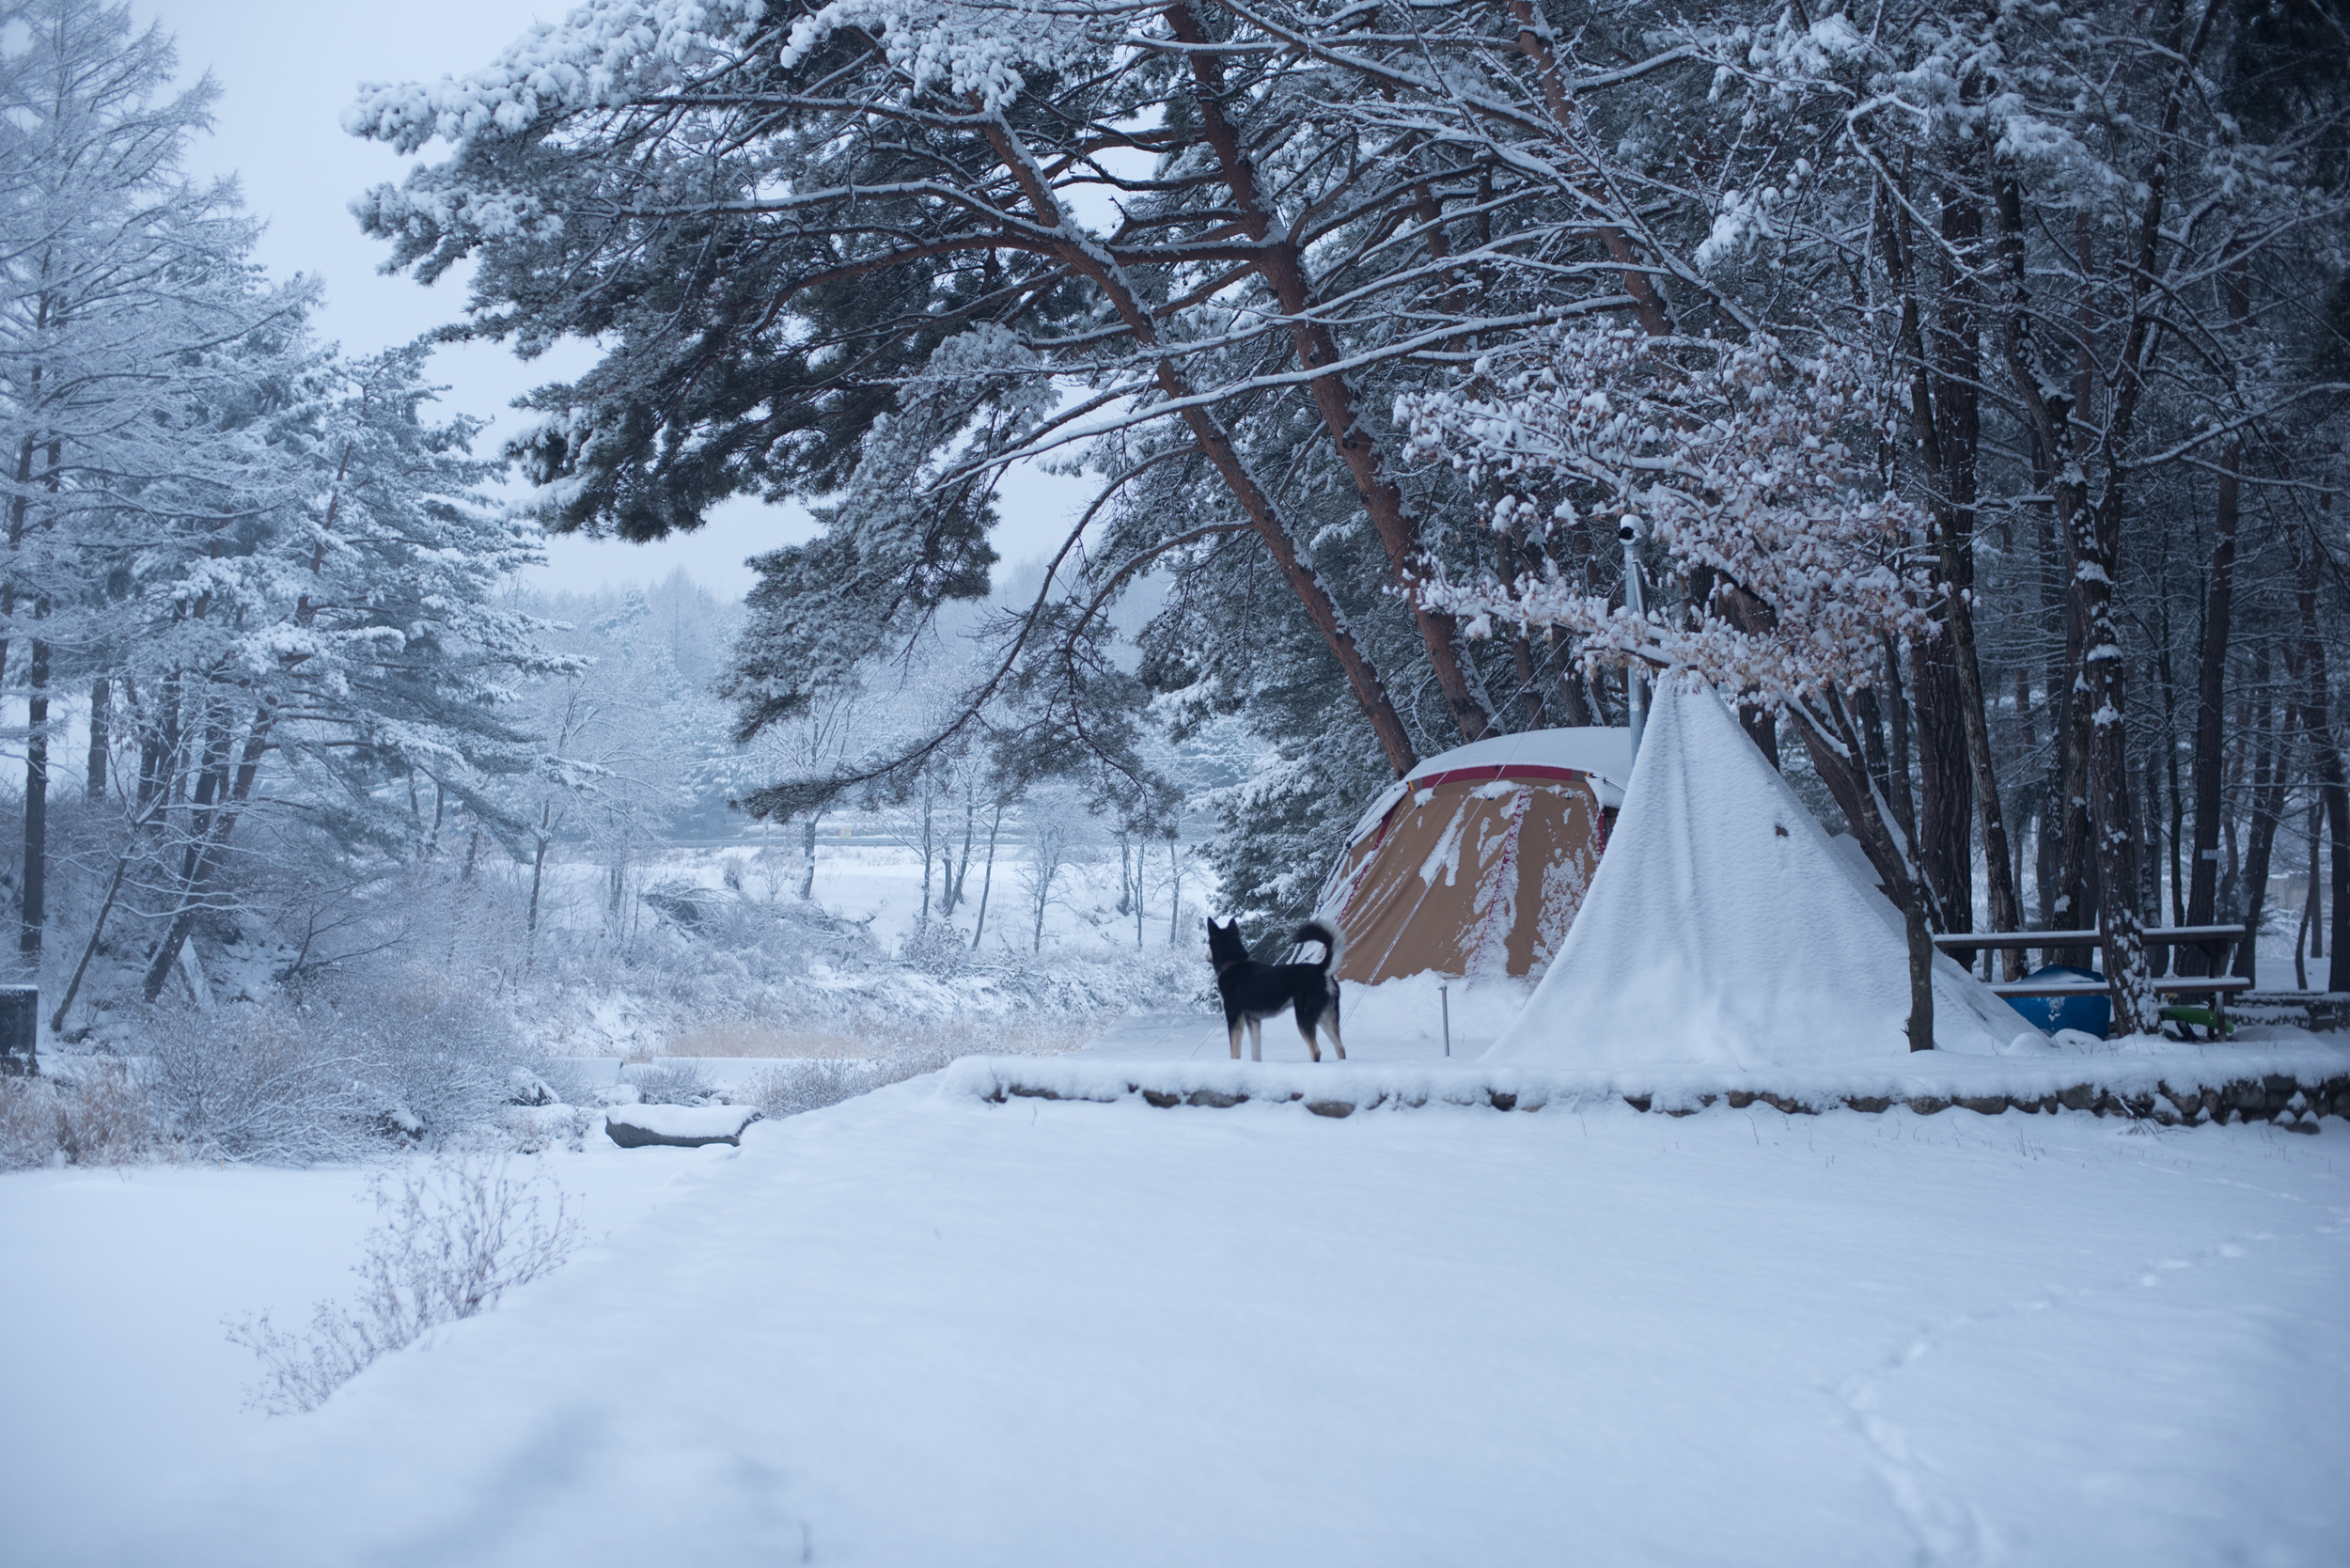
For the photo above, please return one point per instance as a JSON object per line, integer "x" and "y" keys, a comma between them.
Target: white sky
{"x": 288, "y": 68}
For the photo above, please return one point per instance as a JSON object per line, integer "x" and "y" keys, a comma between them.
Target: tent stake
{"x": 1444, "y": 999}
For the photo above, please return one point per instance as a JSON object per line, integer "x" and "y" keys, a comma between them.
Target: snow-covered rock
{"x": 680, "y": 1126}
{"x": 526, "y": 1087}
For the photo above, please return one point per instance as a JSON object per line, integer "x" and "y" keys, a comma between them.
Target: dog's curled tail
{"x": 1333, "y": 945}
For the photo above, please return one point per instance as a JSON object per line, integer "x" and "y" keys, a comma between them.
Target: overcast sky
{"x": 288, "y": 68}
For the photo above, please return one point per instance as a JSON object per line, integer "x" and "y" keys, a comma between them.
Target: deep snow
{"x": 917, "y": 1329}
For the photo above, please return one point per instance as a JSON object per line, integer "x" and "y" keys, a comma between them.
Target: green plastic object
{"x": 2190, "y": 1019}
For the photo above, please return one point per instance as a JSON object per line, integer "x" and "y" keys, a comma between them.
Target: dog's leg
{"x": 1305, "y": 1026}
{"x": 1330, "y": 1022}
{"x": 1255, "y": 1040}
{"x": 1233, "y": 1028}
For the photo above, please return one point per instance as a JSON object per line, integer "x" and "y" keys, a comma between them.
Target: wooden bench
{"x": 2218, "y": 987}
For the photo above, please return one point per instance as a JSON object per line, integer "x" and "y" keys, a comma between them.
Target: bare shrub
{"x": 789, "y": 1088}
{"x": 424, "y": 1046}
{"x": 404, "y": 1054}
{"x": 28, "y": 1122}
{"x": 94, "y": 1112}
{"x": 257, "y": 1083}
{"x": 105, "y": 1114}
{"x": 675, "y": 1083}
{"x": 530, "y": 1129}
{"x": 937, "y": 949}
{"x": 453, "y": 1238}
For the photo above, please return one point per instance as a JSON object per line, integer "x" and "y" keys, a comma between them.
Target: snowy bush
{"x": 424, "y": 1046}
{"x": 105, "y": 1114}
{"x": 402, "y": 1056}
{"x": 255, "y": 1083}
{"x": 937, "y": 949}
{"x": 675, "y": 1083}
{"x": 453, "y": 1238}
{"x": 28, "y": 1122}
{"x": 98, "y": 1114}
{"x": 812, "y": 1083}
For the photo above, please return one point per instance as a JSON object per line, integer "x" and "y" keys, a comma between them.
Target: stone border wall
{"x": 2318, "y": 1011}
{"x": 2278, "y": 1098}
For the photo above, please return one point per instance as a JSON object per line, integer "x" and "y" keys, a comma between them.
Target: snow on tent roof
{"x": 1723, "y": 928}
{"x": 1603, "y": 753}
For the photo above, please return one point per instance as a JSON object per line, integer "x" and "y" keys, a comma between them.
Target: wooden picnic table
{"x": 2218, "y": 987}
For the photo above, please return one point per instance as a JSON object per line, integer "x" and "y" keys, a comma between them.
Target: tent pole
{"x": 1444, "y": 999}
{"x": 1634, "y": 689}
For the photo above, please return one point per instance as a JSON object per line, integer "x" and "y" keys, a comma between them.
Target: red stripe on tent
{"x": 1492, "y": 772}
{"x": 1489, "y": 774}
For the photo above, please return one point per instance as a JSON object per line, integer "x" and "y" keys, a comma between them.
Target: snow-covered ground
{"x": 1407, "y": 1020}
{"x": 918, "y": 1329}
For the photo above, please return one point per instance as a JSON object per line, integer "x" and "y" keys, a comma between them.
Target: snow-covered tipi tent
{"x": 1724, "y": 929}
{"x": 1476, "y": 861}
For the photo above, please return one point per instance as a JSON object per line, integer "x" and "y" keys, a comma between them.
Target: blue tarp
{"x": 2088, "y": 1014}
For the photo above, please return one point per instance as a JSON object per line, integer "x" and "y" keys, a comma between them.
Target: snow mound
{"x": 1723, "y": 928}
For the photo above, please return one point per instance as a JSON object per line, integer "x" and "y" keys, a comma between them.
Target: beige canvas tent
{"x": 1476, "y": 861}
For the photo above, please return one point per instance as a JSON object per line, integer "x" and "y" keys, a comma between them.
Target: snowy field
{"x": 917, "y": 1329}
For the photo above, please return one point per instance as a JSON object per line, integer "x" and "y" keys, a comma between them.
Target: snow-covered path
{"x": 919, "y": 1330}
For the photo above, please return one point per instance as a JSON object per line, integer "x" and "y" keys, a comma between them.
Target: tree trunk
{"x": 1958, "y": 431}
{"x": 1044, "y": 876}
{"x": 1834, "y": 749}
{"x": 1897, "y": 712}
{"x": 1216, "y": 444}
{"x": 1529, "y": 693}
{"x": 2268, "y": 808}
{"x": 926, "y": 853}
{"x": 807, "y": 857}
{"x": 101, "y": 723}
{"x": 2077, "y": 864}
{"x": 2326, "y": 757}
{"x": 987, "y": 877}
{"x": 2099, "y": 531}
{"x": 963, "y": 865}
{"x": 36, "y": 806}
{"x": 2312, "y": 907}
{"x": 537, "y": 881}
{"x": 1282, "y": 265}
{"x": 97, "y": 932}
{"x": 2178, "y": 797}
{"x": 1175, "y": 888}
{"x": 2124, "y": 948}
{"x": 218, "y": 823}
{"x": 1761, "y": 727}
{"x": 2210, "y": 692}
{"x": 1944, "y": 795}
{"x": 1649, "y": 303}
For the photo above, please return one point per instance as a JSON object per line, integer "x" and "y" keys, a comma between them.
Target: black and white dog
{"x": 1254, "y": 992}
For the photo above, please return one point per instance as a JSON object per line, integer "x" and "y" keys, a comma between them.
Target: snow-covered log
{"x": 678, "y": 1127}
